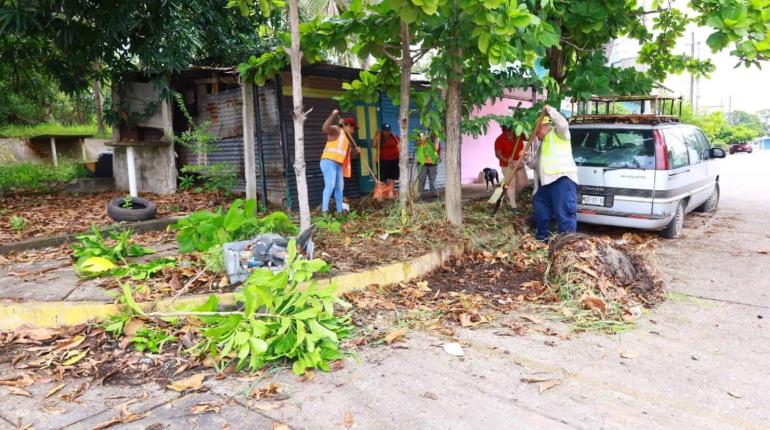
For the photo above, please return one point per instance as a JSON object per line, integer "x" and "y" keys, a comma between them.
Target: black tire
{"x": 674, "y": 228}
{"x": 143, "y": 209}
{"x": 711, "y": 204}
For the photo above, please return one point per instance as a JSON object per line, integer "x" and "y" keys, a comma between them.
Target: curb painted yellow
{"x": 14, "y": 314}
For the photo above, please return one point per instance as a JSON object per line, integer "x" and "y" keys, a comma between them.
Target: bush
{"x": 202, "y": 230}
{"x": 20, "y": 177}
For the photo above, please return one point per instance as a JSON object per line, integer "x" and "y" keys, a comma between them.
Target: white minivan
{"x": 644, "y": 175}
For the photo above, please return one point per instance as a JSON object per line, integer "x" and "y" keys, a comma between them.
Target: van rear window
{"x": 633, "y": 149}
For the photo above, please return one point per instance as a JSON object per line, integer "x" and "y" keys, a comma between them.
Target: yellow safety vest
{"x": 337, "y": 149}
{"x": 556, "y": 155}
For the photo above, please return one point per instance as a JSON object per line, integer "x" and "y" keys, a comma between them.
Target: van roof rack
{"x": 615, "y": 109}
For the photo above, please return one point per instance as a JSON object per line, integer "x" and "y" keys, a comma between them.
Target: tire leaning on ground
{"x": 711, "y": 204}
{"x": 674, "y": 228}
{"x": 143, "y": 209}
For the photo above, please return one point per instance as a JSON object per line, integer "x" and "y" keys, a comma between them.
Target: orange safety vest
{"x": 338, "y": 150}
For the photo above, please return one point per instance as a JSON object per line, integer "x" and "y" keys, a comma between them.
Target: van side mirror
{"x": 717, "y": 153}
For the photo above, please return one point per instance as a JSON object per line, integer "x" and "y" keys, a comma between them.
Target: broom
{"x": 497, "y": 196}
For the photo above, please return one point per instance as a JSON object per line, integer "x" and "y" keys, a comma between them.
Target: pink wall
{"x": 480, "y": 152}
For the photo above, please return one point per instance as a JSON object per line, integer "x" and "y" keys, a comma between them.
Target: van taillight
{"x": 661, "y": 151}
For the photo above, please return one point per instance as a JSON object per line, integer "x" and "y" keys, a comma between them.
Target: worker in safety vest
{"x": 427, "y": 155}
{"x": 555, "y": 176}
{"x": 388, "y": 145}
{"x": 336, "y": 158}
{"x": 508, "y": 150}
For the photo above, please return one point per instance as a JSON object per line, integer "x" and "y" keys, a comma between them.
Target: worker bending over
{"x": 555, "y": 176}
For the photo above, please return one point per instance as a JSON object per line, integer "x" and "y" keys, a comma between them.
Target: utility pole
{"x": 692, "y": 74}
{"x": 697, "y": 84}
{"x": 730, "y": 109}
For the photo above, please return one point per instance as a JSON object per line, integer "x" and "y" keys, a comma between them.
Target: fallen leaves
{"x": 396, "y": 335}
{"x": 75, "y": 394}
{"x": 348, "y": 421}
{"x": 125, "y": 417}
{"x": 16, "y": 391}
{"x": 54, "y": 390}
{"x": 629, "y": 354}
{"x": 190, "y": 383}
{"x": 543, "y": 383}
{"x": 271, "y": 390}
{"x": 207, "y": 407}
{"x": 595, "y": 303}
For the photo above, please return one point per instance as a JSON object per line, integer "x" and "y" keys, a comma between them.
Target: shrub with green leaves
{"x": 278, "y": 321}
{"x": 117, "y": 248}
{"x": 26, "y": 177}
{"x": 18, "y": 223}
{"x": 201, "y": 230}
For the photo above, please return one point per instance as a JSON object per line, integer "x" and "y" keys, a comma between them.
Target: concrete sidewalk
{"x": 700, "y": 360}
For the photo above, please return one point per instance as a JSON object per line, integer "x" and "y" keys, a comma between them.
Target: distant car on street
{"x": 741, "y": 147}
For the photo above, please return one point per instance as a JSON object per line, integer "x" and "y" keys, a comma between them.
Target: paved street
{"x": 701, "y": 360}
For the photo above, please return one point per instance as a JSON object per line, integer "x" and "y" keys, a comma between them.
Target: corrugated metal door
{"x": 389, "y": 115}
{"x": 315, "y": 140}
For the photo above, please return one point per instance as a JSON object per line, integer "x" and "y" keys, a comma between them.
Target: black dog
{"x": 490, "y": 176}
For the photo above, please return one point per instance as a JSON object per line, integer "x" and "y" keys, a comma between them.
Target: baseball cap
{"x": 350, "y": 121}
{"x": 386, "y": 127}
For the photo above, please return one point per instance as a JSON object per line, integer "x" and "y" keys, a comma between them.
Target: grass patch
{"x": 14, "y": 130}
{"x": 25, "y": 177}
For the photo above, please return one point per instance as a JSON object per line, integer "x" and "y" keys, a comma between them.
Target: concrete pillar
{"x": 247, "y": 93}
{"x": 168, "y": 134}
{"x": 54, "y": 157}
{"x": 131, "y": 170}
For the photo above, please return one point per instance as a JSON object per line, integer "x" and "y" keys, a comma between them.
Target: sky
{"x": 746, "y": 89}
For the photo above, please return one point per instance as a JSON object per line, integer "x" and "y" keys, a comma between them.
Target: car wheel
{"x": 140, "y": 210}
{"x": 674, "y": 228}
{"x": 711, "y": 204}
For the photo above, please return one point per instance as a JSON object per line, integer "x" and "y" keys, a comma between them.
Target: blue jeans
{"x": 557, "y": 199}
{"x": 333, "y": 182}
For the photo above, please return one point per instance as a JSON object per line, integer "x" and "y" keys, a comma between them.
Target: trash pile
{"x": 267, "y": 250}
{"x": 604, "y": 279}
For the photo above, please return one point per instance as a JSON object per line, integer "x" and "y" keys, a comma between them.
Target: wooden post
{"x": 247, "y": 95}
{"x": 83, "y": 149}
{"x": 54, "y": 157}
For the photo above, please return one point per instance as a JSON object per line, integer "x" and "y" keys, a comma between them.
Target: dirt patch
{"x": 52, "y": 214}
{"x": 371, "y": 238}
{"x": 480, "y": 273}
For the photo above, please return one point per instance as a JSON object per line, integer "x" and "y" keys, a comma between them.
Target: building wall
{"x": 478, "y": 153}
{"x": 152, "y": 169}
{"x": 16, "y": 150}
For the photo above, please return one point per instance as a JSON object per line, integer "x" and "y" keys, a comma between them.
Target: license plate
{"x": 592, "y": 200}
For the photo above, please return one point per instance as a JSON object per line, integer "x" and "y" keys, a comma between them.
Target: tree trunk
{"x": 98, "y": 102}
{"x": 298, "y": 115}
{"x": 453, "y": 186}
{"x": 403, "y": 117}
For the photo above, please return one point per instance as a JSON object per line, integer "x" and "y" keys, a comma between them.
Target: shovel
{"x": 497, "y": 196}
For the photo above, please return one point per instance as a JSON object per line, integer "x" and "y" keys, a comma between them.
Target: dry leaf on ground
{"x": 54, "y": 390}
{"x": 203, "y": 408}
{"x": 395, "y": 335}
{"x": 629, "y": 354}
{"x": 18, "y": 391}
{"x": 270, "y": 390}
{"x": 349, "y": 421}
{"x": 191, "y": 383}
